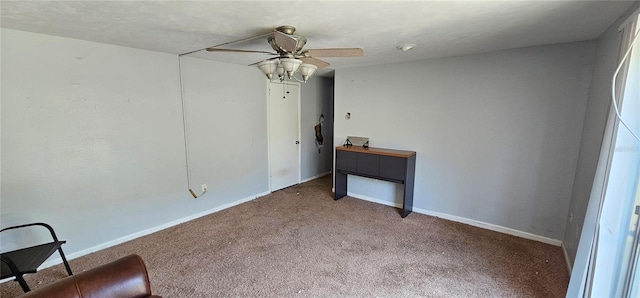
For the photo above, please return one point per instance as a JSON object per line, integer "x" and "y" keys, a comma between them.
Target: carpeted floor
{"x": 300, "y": 242}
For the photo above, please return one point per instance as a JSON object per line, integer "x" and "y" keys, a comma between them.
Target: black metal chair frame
{"x": 27, "y": 260}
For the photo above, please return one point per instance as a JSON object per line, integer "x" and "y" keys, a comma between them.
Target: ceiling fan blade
{"x": 317, "y": 62}
{"x": 289, "y": 43}
{"x": 242, "y": 40}
{"x": 238, "y": 51}
{"x": 336, "y": 52}
{"x": 256, "y": 63}
{"x": 230, "y": 42}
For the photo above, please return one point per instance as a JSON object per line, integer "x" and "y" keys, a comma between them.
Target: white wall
{"x": 316, "y": 100}
{"x": 497, "y": 135}
{"x": 92, "y": 137}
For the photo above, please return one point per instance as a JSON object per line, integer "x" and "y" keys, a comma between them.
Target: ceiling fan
{"x": 289, "y": 56}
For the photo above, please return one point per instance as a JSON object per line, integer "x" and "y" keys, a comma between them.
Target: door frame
{"x": 268, "y": 97}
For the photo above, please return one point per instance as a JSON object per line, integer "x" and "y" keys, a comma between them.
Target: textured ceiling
{"x": 439, "y": 28}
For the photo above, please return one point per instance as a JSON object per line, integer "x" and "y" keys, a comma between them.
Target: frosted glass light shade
{"x": 307, "y": 70}
{"x": 290, "y": 65}
{"x": 268, "y": 67}
{"x": 280, "y": 71}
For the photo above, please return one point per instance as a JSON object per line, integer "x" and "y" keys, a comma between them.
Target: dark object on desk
{"x": 27, "y": 260}
{"x": 348, "y": 143}
{"x": 356, "y": 141}
{"x": 378, "y": 163}
{"x": 125, "y": 277}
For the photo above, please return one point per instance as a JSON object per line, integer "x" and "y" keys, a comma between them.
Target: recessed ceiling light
{"x": 405, "y": 47}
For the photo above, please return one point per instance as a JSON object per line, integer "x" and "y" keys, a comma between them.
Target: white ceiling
{"x": 439, "y": 28}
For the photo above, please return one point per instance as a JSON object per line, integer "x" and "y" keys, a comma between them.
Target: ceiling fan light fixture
{"x": 280, "y": 71}
{"x": 290, "y": 57}
{"x": 307, "y": 70}
{"x": 268, "y": 67}
{"x": 290, "y": 65}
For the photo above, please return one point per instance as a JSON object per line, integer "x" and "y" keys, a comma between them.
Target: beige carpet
{"x": 300, "y": 242}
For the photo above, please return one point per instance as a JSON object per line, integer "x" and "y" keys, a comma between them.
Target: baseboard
{"x": 316, "y": 177}
{"x": 492, "y": 227}
{"x": 56, "y": 261}
{"x": 374, "y": 200}
{"x": 468, "y": 221}
{"x": 566, "y": 258}
{"x": 459, "y": 219}
{"x": 129, "y": 237}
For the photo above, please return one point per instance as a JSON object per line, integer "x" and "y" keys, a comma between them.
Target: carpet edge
{"x": 464, "y": 220}
{"x": 148, "y": 231}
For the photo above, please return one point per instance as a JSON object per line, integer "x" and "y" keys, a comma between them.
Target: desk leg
{"x": 341, "y": 186}
{"x": 407, "y": 203}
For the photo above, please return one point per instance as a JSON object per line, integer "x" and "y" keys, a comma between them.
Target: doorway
{"x": 284, "y": 135}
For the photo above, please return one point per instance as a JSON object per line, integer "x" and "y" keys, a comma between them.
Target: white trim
{"x": 629, "y": 19}
{"x": 492, "y": 227}
{"x": 459, "y": 219}
{"x": 566, "y": 258}
{"x": 316, "y": 177}
{"x": 56, "y": 261}
{"x": 374, "y": 200}
{"x": 468, "y": 221}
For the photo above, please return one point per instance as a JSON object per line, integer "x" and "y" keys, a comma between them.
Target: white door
{"x": 284, "y": 140}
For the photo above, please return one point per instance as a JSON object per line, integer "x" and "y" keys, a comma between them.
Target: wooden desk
{"x": 378, "y": 163}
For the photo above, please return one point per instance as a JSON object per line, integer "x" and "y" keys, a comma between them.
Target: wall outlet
{"x": 204, "y": 187}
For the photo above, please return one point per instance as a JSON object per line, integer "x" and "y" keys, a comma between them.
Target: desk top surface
{"x": 378, "y": 151}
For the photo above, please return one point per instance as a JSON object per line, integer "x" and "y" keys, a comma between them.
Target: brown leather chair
{"x": 126, "y": 277}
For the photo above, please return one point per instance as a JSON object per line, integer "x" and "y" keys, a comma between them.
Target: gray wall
{"x": 584, "y": 205}
{"x": 226, "y": 122}
{"x": 497, "y": 135}
{"x": 316, "y": 99}
{"x": 608, "y": 46}
{"x": 92, "y": 138}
